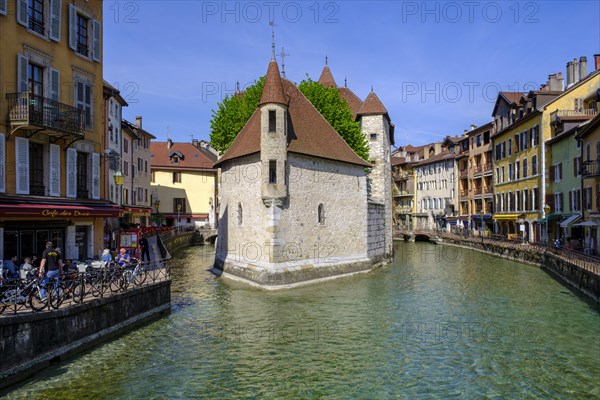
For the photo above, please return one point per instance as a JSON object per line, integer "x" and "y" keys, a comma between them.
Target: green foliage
{"x": 336, "y": 111}
{"x": 232, "y": 114}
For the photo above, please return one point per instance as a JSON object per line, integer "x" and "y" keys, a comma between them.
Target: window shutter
{"x": 54, "y": 179}
{"x": 55, "y": 9}
{"x": 2, "y": 163}
{"x": 23, "y": 65}
{"x": 22, "y": 165}
{"x": 560, "y": 174}
{"x": 550, "y": 200}
{"x": 571, "y": 201}
{"x": 95, "y": 176}
{"x": 3, "y": 7}
{"x": 72, "y": 27}
{"x": 584, "y": 199}
{"x": 54, "y": 84}
{"x": 598, "y": 197}
{"x": 575, "y": 166}
{"x": 96, "y": 40}
{"x": 22, "y": 12}
{"x": 562, "y": 201}
{"x": 71, "y": 173}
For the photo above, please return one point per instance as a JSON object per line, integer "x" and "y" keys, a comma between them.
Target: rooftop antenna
{"x": 237, "y": 86}
{"x": 272, "y": 25}
{"x": 345, "y": 82}
{"x": 283, "y": 54}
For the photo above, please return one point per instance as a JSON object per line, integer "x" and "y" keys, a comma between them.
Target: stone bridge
{"x": 422, "y": 235}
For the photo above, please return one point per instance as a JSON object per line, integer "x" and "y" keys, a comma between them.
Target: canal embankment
{"x": 30, "y": 341}
{"x": 578, "y": 271}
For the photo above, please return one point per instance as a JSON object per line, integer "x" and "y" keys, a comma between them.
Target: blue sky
{"x": 437, "y": 66}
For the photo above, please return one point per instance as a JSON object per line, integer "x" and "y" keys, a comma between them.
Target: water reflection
{"x": 438, "y": 322}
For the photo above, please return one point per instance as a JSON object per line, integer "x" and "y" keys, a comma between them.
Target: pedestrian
{"x": 52, "y": 263}
{"x": 28, "y": 268}
{"x": 106, "y": 256}
{"x": 123, "y": 259}
{"x": 145, "y": 251}
{"x": 11, "y": 268}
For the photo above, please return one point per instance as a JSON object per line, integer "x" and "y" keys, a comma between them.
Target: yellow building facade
{"x": 184, "y": 184}
{"x": 51, "y": 127}
{"x": 521, "y": 161}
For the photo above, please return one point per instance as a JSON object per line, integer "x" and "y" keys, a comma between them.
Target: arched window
{"x": 321, "y": 214}
{"x": 240, "y": 214}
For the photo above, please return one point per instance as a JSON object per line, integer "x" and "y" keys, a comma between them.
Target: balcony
{"x": 587, "y": 112}
{"x": 401, "y": 175}
{"x": 478, "y": 191}
{"x": 487, "y": 168}
{"x": 403, "y": 209}
{"x": 403, "y": 193}
{"x": 590, "y": 168}
{"x": 464, "y": 173}
{"x": 30, "y": 111}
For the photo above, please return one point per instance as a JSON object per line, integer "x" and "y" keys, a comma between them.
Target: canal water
{"x": 439, "y": 322}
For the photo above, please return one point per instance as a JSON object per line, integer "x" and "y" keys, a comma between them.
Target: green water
{"x": 439, "y": 322}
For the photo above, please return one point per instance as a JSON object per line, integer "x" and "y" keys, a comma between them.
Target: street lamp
{"x": 119, "y": 178}
{"x": 179, "y": 214}
{"x": 157, "y": 205}
{"x": 546, "y": 211}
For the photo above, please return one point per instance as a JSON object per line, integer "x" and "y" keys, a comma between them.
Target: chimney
{"x": 569, "y": 73}
{"x": 582, "y": 67}
{"x": 195, "y": 143}
{"x": 138, "y": 122}
{"x": 437, "y": 148}
{"x": 169, "y": 143}
{"x": 597, "y": 62}
{"x": 473, "y": 127}
{"x": 426, "y": 152}
{"x": 576, "y": 76}
{"x": 555, "y": 82}
{"x": 560, "y": 82}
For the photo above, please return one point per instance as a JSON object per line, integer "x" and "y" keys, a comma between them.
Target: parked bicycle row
{"x": 78, "y": 282}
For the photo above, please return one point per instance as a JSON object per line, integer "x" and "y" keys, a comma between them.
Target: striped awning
{"x": 570, "y": 220}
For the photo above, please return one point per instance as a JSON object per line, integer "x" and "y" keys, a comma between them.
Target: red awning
{"x": 143, "y": 210}
{"x": 57, "y": 211}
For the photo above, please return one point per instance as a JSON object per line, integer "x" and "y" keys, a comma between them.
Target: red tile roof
{"x": 193, "y": 157}
{"x": 326, "y": 78}
{"x": 512, "y": 97}
{"x": 308, "y": 133}
{"x": 273, "y": 91}
{"x": 372, "y": 105}
{"x": 353, "y": 100}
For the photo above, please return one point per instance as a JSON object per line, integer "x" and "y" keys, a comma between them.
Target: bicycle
{"x": 137, "y": 274}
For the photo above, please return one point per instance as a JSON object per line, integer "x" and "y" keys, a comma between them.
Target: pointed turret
{"x": 273, "y": 91}
{"x": 326, "y": 78}
{"x": 372, "y": 106}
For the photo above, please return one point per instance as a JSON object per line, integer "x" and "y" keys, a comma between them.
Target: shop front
{"x": 77, "y": 229}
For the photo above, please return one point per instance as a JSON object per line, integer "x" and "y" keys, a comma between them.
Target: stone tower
{"x": 379, "y": 131}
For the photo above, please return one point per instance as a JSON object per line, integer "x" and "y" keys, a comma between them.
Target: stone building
{"x": 293, "y": 196}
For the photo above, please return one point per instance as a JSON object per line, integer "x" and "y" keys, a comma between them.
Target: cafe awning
{"x": 507, "y": 217}
{"x": 570, "y": 220}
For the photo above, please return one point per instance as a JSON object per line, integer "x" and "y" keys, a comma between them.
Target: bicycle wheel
{"x": 78, "y": 291}
{"x": 116, "y": 282}
{"x": 139, "y": 276}
{"x": 96, "y": 283}
{"x": 125, "y": 279}
{"x": 55, "y": 296}
{"x": 35, "y": 300}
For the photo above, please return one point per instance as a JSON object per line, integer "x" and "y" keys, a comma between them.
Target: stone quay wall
{"x": 584, "y": 280}
{"x": 376, "y": 233}
{"x": 31, "y": 341}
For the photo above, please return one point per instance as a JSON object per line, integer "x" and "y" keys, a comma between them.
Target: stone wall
{"x": 283, "y": 244}
{"x": 376, "y": 232}
{"x": 29, "y": 342}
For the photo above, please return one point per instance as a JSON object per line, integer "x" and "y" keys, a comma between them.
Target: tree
{"x": 336, "y": 111}
{"x": 232, "y": 114}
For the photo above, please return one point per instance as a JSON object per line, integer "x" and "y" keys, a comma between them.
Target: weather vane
{"x": 283, "y": 55}
{"x": 272, "y": 25}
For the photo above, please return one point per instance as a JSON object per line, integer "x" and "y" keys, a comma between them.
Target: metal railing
{"x": 30, "y": 109}
{"x": 590, "y": 168}
{"x": 86, "y": 283}
{"x": 588, "y": 262}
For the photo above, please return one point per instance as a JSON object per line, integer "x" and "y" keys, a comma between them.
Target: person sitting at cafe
{"x": 123, "y": 259}
{"x": 11, "y": 268}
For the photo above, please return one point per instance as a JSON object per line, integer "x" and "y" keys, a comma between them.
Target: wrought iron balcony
{"x": 590, "y": 168}
{"x": 464, "y": 173}
{"x": 403, "y": 209}
{"x": 30, "y": 111}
